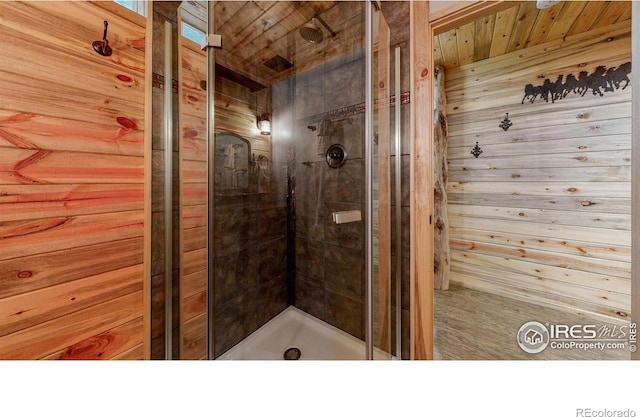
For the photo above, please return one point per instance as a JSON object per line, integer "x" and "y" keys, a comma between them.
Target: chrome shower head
{"x": 310, "y": 32}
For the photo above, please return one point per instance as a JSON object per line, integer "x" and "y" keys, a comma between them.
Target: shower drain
{"x": 292, "y": 354}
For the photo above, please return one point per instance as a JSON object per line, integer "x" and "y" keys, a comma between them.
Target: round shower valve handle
{"x": 336, "y": 156}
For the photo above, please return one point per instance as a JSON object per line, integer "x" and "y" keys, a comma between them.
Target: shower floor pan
{"x": 295, "y": 328}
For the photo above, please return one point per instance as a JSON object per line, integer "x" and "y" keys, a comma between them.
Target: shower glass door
{"x": 280, "y": 173}
{"x": 298, "y": 67}
{"x": 192, "y": 164}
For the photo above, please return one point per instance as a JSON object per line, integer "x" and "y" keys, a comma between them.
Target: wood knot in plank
{"x": 96, "y": 347}
{"x": 126, "y": 123}
{"x": 124, "y": 78}
{"x": 190, "y": 133}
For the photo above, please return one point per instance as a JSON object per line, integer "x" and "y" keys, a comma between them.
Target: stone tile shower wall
{"x": 250, "y": 265}
{"x": 322, "y": 106}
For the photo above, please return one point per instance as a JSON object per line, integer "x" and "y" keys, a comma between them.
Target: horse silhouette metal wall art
{"x": 600, "y": 81}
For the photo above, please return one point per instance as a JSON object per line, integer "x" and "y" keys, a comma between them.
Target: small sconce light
{"x": 264, "y": 124}
{"x": 506, "y": 123}
{"x": 476, "y": 151}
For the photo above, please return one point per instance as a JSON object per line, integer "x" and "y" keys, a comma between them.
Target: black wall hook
{"x": 102, "y": 47}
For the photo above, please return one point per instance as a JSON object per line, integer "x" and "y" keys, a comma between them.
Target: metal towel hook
{"x": 102, "y": 47}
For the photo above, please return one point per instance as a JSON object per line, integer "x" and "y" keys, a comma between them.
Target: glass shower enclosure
{"x": 286, "y": 134}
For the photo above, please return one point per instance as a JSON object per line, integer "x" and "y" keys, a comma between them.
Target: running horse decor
{"x": 600, "y": 81}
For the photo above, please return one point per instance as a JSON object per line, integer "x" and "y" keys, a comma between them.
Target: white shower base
{"x": 295, "y": 328}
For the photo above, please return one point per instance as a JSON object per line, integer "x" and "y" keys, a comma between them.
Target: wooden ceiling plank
{"x": 505, "y": 20}
{"x": 437, "y": 52}
{"x": 524, "y": 24}
{"x": 610, "y": 14}
{"x": 465, "y": 36}
{"x": 484, "y": 35}
{"x": 449, "y": 48}
{"x": 288, "y": 15}
{"x": 321, "y": 6}
{"x": 225, "y": 10}
{"x": 345, "y": 19}
{"x": 265, "y": 5}
{"x": 590, "y": 14}
{"x": 298, "y": 14}
{"x": 263, "y": 23}
{"x": 626, "y": 14}
{"x": 247, "y": 14}
{"x": 568, "y": 15}
{"x": 586, "y": 43}
{"x": 276, "y": 41}
{"x": 301, "y": 14}
{"x": 336, "y": 17}
{"x": 541, "y": 28}
{"x": 256, "y": 31}
{"x": 253, "y": 55}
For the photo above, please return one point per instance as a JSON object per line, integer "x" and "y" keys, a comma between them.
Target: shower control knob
{"x": 336, "y": 156}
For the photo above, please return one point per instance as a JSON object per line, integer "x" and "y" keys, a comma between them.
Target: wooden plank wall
{"x": 71, "y": 182}
{"x": 544, "y": 214}
{"x": 193, "y": 200}
{"x": 382, "y": 205}
{"x": 421, "y": 182}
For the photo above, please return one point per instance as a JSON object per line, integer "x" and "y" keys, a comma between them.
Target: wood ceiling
{"x": 523, "y": 26}
{"x": 253, "y": 32}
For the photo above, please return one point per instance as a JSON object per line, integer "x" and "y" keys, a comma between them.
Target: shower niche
{"x": 232, "y": 162}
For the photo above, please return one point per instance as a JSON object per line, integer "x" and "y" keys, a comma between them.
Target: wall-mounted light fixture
{"x": 264, "y": 124}
{"x": 506, "y": 123}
